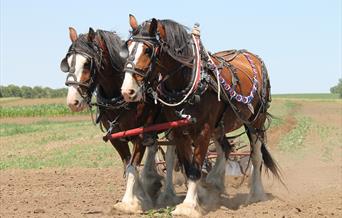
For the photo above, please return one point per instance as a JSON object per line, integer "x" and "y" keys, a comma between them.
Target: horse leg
{"x": 122, "y": 148}
{"x": 190, "y": 205}
{"x": 151, "y": 180}
{"x": 216, "y": 175}
{"x": 257, "y": 192}
{"x": 168, "y": 196}
{"x": 135, "y": 200}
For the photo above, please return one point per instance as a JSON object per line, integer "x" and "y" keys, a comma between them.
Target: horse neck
{"x": 109, "y": 81}
{"x": 177, "y": 80}
{"x": 108, "y": 78}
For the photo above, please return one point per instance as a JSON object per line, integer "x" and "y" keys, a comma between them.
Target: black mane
{"x": 177, "y": 37}
{"x": 114, "y": 45}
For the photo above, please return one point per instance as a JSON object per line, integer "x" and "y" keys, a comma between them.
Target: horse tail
{"x": 271, "y": 164}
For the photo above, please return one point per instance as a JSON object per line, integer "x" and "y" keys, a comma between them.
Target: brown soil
{"x": 274, "y": 134}
{"x": 314, "y": 185}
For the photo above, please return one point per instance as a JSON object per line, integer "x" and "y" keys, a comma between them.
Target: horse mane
{"x": 114, "y": 45}
{"x": 82, "y": 44}
{"x": 177, "y": 37}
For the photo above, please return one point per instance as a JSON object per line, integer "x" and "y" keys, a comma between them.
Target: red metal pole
{"x": 155, "y": 127}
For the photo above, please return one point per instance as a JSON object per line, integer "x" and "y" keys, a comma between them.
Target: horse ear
{"x": 153, "y": 27}
{"x": 133, "y": 22}
{"x": 91, "y": 34}
{"x": 72, "y": 34}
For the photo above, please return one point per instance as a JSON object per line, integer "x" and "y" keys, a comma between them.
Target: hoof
{"x": 254, "y": 198}
{"x": 217, "y": 184}
{"x": 152, "y": 186}
{"x": 128, "y": 208}
{"x": 168, "y": 199}
{"x": 185, "y": 209}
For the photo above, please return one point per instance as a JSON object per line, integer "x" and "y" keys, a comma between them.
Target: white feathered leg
{"x": 190, "y": 206}
{"x": 151, "y": 180}
{"x": 134, "y": 200}
{"x": 257, "y": 192}
{"x": 168, "y": 196}
{"x": 216, "y": 175}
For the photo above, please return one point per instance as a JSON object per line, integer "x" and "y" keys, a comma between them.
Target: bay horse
{"x": 93, "y": 65}
{"x": 170, "y": 65}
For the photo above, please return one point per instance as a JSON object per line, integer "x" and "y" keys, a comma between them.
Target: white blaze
{"x": 138, "y": 50}
{"x": 129, "y": 82}
{"x": 73, "y": 94}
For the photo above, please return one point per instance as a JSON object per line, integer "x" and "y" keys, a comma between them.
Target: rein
{"x": 196, "y": 72}
{"x": 112, "y": 103}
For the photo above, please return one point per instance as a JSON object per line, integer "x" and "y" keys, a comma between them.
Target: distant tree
{"x": 39, "y": 92}
{"x": 48, "y": 92}
{"x": 59, "y": 93}
{"x": 338, "y": 88}
{"x": 12, "y": 91}
{"x": 29, "y": 92}
{"x": 1, "y": 91}
{"x": 26, "y": 92}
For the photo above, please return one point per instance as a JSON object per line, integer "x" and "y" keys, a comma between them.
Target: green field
{"x": 308, "y": 96}
{"x": 41, "y": 136}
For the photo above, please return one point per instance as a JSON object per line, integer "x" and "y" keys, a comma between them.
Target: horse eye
{"x": 148, "y": 51}
{"x": 87, "y": 65}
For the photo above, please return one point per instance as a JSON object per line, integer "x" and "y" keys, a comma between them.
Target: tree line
{"x": 46, "y": 92}
{"x": 338, "y": 88}
{"x": 31, "y": 92}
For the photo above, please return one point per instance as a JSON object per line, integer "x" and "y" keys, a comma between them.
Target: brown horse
{"x": 169, "y": 64}
{"x": 93, "y": 63}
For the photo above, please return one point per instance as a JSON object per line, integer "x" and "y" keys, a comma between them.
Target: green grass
{"x": 37, "y": 110}
{"x": 330, "y": 138}
{"x": 293, "y": 141}
{"x": 46, "y": 144}
{"x": 160, "y": 213}
{"x": 79, "y": 155}
{"x": 308, "y": 96}
{"x": 280, "y": 109}
{"x": 11, "y": 129}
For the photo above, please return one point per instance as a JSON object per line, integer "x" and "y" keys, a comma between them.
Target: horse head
{"x": 142, "y": 49}
{"x": 156, "y": 50}
{"x": 92, "y": 60}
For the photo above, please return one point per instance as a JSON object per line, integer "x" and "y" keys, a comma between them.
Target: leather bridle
{"x": 152, "y": 43}
{"x": 86, "y": 88}
{"x": 156, "y": 44}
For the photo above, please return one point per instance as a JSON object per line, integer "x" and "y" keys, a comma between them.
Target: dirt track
{"x": 314, "y": 182}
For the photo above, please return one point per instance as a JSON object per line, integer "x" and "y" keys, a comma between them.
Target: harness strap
{"x": 196, "y": 71}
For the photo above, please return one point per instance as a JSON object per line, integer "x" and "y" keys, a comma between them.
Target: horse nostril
{"x": 76, "y": 102}
{"x": 131, "y": 92}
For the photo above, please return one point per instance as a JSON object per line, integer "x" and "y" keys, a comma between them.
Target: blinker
{"x": 64, "y": 65}
{"x": 124, "y": 51}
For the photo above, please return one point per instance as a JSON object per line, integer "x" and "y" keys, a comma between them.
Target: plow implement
{"x": 238, "y": 160}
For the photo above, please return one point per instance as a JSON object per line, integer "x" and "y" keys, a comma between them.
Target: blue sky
{"x": 300, "y": 41}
